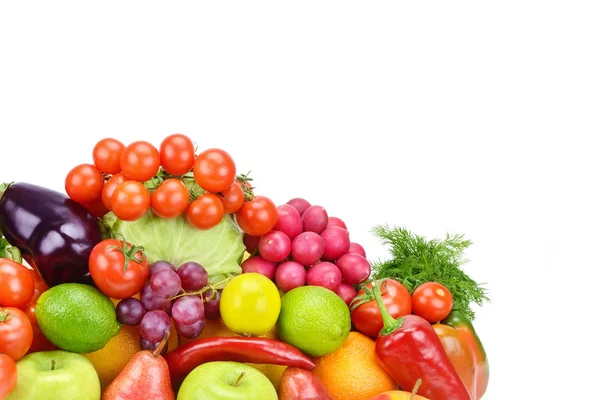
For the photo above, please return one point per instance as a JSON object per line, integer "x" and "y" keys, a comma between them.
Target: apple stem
{"x": 239, "y": 378}
{"x": 53, "y": 365}
{"x": 161, "y": 345}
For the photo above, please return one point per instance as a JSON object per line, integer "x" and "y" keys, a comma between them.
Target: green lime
{"x": 313, "y": 319}
{"x": 77, "y": 317}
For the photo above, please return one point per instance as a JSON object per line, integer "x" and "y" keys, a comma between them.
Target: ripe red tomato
{"x": 214, "y": 170}
{"x": 205, "y": 212}
{"x": 432, "y": 301}
{"x": 39, "y": 342}
{"x": 96, "y": 208}
{"x": 232, "y": 198}
{"x": 16, "y": 285}
{"x": 130, "y": 201}
{"x": 119, "y": 272}
{"x": 109, "y": 188}
{"x": 257, "y": 216}
{"x": 170, "y": 199}
{"x": 177, "y": 154}
{"x": 16, "y": 333}
{"x": 84, "y": 183}
{"x": 140, "y": 161}
{"x": 107, "y": 155}
{"x": 8, "y": 375}
{"x": 366, "y": 317}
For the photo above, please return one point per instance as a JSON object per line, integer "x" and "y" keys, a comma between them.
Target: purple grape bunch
{"x": 171, "y": 293}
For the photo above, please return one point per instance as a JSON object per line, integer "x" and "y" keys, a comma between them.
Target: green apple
{"x": 55, "y": 375}
{"x": 226, "y": 380}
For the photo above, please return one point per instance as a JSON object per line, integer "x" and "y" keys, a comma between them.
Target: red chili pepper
{"x": 254, "y": 350}
{"x": 409, "y": 349}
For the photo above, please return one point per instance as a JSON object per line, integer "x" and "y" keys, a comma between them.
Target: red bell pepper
{"x": 256, "y": 350}
{"x": 459, "y": 321}
{"x": 408, "y": 349}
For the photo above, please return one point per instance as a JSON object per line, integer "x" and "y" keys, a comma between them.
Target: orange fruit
{"x": 219, "y": 329}
{"x": 110, "y": 360}
{"x": 352, "y": 372}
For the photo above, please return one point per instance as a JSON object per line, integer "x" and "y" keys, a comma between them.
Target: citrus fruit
{"x": 77, "y": 317}
{"x": 110, "y": 360}
{"x": 352, "y": 372}
{"x": 313, "y": 319}
{"x": 250, "y": 304}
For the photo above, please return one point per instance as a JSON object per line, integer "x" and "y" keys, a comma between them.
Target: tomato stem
{"x": 129, "y": 253}
{"x": 4, "y": 315}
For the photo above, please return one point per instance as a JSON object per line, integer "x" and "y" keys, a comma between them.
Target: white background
{"x": 460, "y": 117}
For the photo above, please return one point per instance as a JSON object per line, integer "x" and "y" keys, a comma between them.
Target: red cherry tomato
{"x": 96, "y": 208}
{"x": 257, "y": 216}
{"x": 119, "y": 272}
{"x": 84, "y": 183}
{"x": 140, "y": 161}
{"x": 16, "y": 332}
{"x": 170, "y": 199}
{"x": 205, "y": 212}
{"x": 214, "y": 170}
{"x": 107, "y": 155}
{"x": 432, "y": 301}
{"x": 109, "y": 188}
{"x": 8, "y": 375}
{"x": 366, "y": 317}
{"x": 39, "y": 342}
{"x": 130, "y": 201}
{"x": 16, "y": 285}
{"x": 177, "y": 154}
{"x": 232, "y": 198}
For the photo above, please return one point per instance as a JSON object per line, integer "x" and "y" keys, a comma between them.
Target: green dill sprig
{"x": 416, "y": 260}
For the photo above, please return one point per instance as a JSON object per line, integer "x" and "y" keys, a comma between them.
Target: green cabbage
{"x": 219, "y": 249}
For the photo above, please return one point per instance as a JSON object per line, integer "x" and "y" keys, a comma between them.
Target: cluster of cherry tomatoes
{"x": 130, "y": 180}
{"x": 20, "y": 334}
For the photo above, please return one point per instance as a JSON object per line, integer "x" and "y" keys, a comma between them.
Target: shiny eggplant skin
{"x": 55, "y": 234}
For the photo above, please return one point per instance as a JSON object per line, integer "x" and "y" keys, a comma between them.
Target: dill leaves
{"x": 416, "y": 260}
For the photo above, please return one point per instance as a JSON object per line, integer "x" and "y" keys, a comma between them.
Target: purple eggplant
{"x": 55, "y": 234}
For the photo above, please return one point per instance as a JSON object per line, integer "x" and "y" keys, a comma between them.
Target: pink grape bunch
{"x": 308, "y": 247}
{"x": 181, "y": 294}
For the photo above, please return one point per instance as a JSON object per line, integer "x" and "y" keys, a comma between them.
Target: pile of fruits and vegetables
{"x": 163, "y": 273}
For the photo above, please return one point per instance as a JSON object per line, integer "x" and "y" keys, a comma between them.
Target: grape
{"x": 289, "y": 221}
{"x": 190, "y": 331}
{"x": 169, "y": 307}
{"x": 307, "y": 248}
{"x": 151, "y": 301}
{"x": 299, "y": 204}
{"x": 335, "y": 221}
{"x": 314, "y": 219}
{"x": 337, "y": 242}
{"x": 324, "y": 274}
{"x": 274, "y": 246}
{"x": 160, "y": 266}
{"x": 357, "y": 248}
{"x": 165, "y": 283}
{"x": 251, "y": 242}
{"x": 154, "y": 325}
{"x": 188, "y": 310}
{"x": 147, "y": 345}
{"x": 354, "y": 268}
{"x": 212, "y": 307}
{"x": 259, "y": 265}
{"x": 193, "y": 276}
{"x": 290, "y": 275}
{"x": 130, "y": 311}
{"x": 346, "y": 292}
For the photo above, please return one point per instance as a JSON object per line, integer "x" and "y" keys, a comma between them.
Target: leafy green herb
{"x": 416, "y": 260}
{"x": 8, "y": 251}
